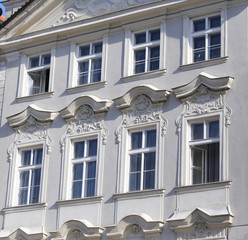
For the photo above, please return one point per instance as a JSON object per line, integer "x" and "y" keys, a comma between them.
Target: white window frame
{"x": 129, "y": 47}
{"x": 23, "y": 88}
{"x": 188, "y": 19}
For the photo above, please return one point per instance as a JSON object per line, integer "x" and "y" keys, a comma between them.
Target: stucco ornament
{"x": 142, "y": 111}
{"x": 84, "y": 121}
{"x": 30, "y": 132}
{"x": 82, "y": 9}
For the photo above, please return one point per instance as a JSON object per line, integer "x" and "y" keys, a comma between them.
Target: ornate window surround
{"x": 203, "y": 98}
{"x": 141, "y": 107}
{"x": 84, "y": 118}
{"x": 31, "y": 130}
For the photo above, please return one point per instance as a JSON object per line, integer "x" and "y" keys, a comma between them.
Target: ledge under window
{"x": 205, "y": 63}
{"x": 25, "y": 208}
{"x": 144, "y": 75}
{"x": 87, "y": 86}
{"x": 139, "y": 194}
{"x": 203, "y": 187}
{"x": 80, "y": 201}
{"x": 35, "y": 97}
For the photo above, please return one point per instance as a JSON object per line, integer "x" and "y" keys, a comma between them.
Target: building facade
{"x": 124, "y": 119}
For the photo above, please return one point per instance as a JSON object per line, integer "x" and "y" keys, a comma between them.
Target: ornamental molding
{"x": 85, "y": 121}
{"x": 142, "y": 111}
{"x": 30, "y": 133}
{"x": 83, "y": 9}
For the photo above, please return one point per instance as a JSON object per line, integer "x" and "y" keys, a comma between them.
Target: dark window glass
{"x": 97, "y": 47}
{"x": 79, "y": 149}
{"x": 214, "y": 22}
{"x": 93, "y": 147}
{"x": 197, "y": 129}
{"x": 140, "y": 38}
{"x": 214, "y": 129}
{"x": 154, "y": 35}
{"x": 154, "y": 58}
{"x": 45, "y": 59}
{"x": 34, "y": 62}
{"x": 136, "y": 140}
{"x": 84, "y": 51}
{"x": 151, "y": 138}
{"x": 26, "y": 158}
{"x": 199, "y": 25}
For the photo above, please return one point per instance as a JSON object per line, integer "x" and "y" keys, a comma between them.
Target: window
{"x": 146, "y": 51}
{"x": 142, "y": 155}
{"x": 205, "y": 151}
{"x": 84, "y": 168}
{"x": 206, "y": 38}
{"x": 89, "y": 63}
{"x": 30, "y": 168}
{"x": 38, "y": 74}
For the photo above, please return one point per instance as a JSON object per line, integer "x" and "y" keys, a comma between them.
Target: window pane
{"x": 92, "y": 147}
{"x": 97, "y": 47}
{"x": 45, "y": 59}
{"x": 154, "y": 35}
{"x": 135, "y": 163}
{"x": 214, "y": 22}
{"x": 26, "y": 158}
{"x": 214, "y": 129}
{"x": 199, "y": 49}
{"x": 197, "y": 157}
{"x": 77, "y": 189}
{"x": 140, "y": 67}
{"x": 140, "y": 55}
{"x": 149, "y": 161}
{"x": 78, "y": 171}
{"x": 89, "y": 188}
{"x": 197, "y": 176}
{"x": 199, "y": 25}
{"x": 84, "y": 50}
{"x": 91, "y": 170}
{"x": 214, "y": 46}
{"x": 83, "y": 78}
{"x": 140, "y": 38}
{"x": 213, "y": 162}
{"x": 23, "y": 196}
{"x": 35, "y": 180}
{"x": 83, "y": 67}
{"x": 24, "y": 179}
{"x": 136, "y": 140}
{"x": 154, "y": 58}
{"x": 151, "y": 138}
{"x": 197, "y": 131}
{"x": 149, "y": 180}
{"x": 34, "y": 62}
{"x": 34, "y": 194}
{"x": 134, "y": 183}
{"x": 79, "y": 149}
{"x": 37, "y": 156}
{"x": 96, "y": 66}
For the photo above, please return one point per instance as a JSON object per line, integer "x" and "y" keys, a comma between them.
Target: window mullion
{"x": 142, "y": 172}
{"x": 29, "y": 186}
{"x": 83, "y": 179}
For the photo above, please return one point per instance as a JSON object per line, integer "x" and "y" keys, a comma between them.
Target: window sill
{"x": 139, "y": 194}
{"x": 144, "y": 75}
{"x": 85, "y": 87}
{"x": 25, "y": 208}
{"x": 80, "y": 201}
{"x": 202, "y": 187}
{"x": 200, "y": 64}
{"x": 34, "y": 97}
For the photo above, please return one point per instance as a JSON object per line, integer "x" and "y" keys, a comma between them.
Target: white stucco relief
{"x": 82, "y": 9}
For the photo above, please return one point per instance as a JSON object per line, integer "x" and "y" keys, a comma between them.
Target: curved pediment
{"x": 39, "y": 114}
{"x": 96, "y": 104}
{"x": 212, "y": 82}
{"x": 155, "y": 95}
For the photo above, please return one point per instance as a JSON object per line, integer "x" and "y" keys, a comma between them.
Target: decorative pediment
{"x": 79, "y": 229}
{"x": 212, "y": 83}
{"x": 136, "y": 225}
{"x": 31, "y": 112}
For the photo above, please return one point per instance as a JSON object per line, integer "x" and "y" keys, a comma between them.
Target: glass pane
{"x": 83, "y": 78}
{"x": 35, "y": 180}
{"x": 139, "y": 67}
{"x": 91, "y": 170}
{"x": 77, "y": 189}
{"x": 45, "y": 59}
{"x": 26, "y": 158}
{"x": 134, "y": 183}
{"x": 34, "y": 62}
{"x": 197, "y": 176}
{"x": 23, "y": 196}
{"x": 135, "y": 163}
{"x": 96, "y": 64}
{"x": 97, "y": 47}
{"x": 149, "y": 180}
{"x": 154, "y": 58}
{"x": 83, "y": 67}
{"x": 214, "y": 46}
{"x": 214, "y": 39}
{"x": 149, "y": 161}
{"x": 199, "y": 42}
{"x": 96, "y": 70}
{"x": 140, "y": 38}
{"x": 34, "y": 194}
{"x": 214, "y": 129}
{"x": 136, "y": 140}
{"x": 197, "y": 131}
{"x": 89, "y": 188}
{"x": 84, "y": 50}
{"x": 199, "y": 25}
{"x": 37, "y": 158}
{"x": 78, "y": 171}
{"x": 197, "y": 157}
{"x": 40, "y": 81}
{"x": 214, "y": 22}
{"x": 24, "y": 179}
{"x": 92, "y": 147}
{"x": 140, "y": 55}
{"x": 79, "y": 149}
{"x": 199, "y": 49}
{"x": 213, "y": 162}
{"x": 96, "y": 76}
{"x": 151, "y": 138}
{"x": 154, "y": 35}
